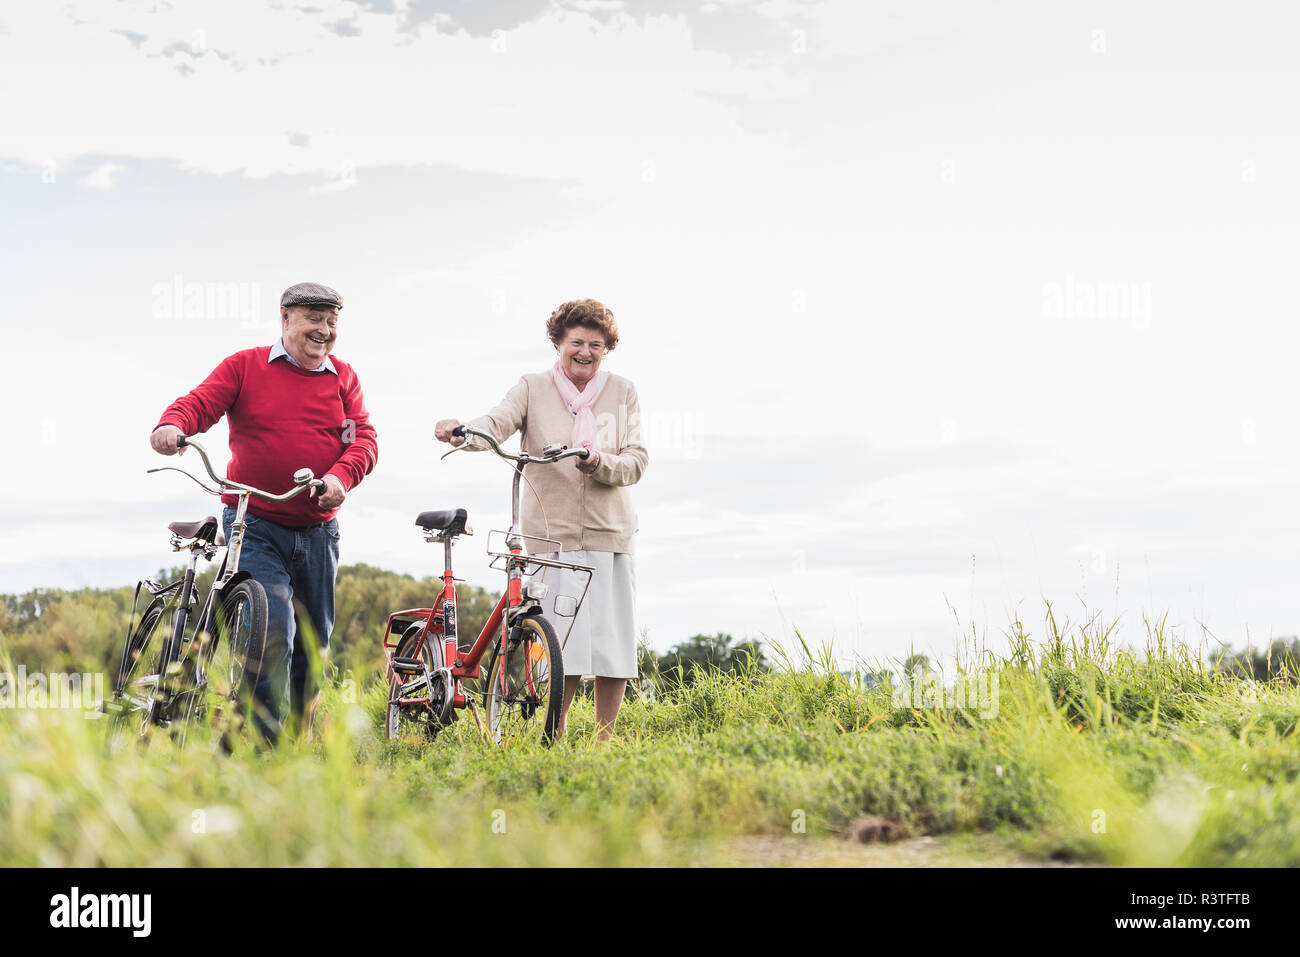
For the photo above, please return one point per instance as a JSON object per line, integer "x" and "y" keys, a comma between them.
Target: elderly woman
{"x": 587, "y": 505}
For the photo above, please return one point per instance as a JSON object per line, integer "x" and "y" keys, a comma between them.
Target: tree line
{"x": 84, "y": 630}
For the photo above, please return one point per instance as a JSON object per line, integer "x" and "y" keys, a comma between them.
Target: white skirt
{"x": 602, "y": 641}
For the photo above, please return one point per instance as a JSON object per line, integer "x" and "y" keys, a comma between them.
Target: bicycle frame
{"x": 515, "y": 601}
{"x": 227, "y": 572}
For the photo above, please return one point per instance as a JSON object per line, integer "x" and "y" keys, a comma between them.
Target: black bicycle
{"x": 170, "y": 676}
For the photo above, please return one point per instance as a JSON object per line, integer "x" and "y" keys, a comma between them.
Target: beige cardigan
{"x": 582, "y": 511}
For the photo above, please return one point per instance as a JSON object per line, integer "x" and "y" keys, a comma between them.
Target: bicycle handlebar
{"x": 303, "y": 478}
{"x": 556, "y": 456}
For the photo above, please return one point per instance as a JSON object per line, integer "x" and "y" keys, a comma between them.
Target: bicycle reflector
{"x": 535, "y": 590}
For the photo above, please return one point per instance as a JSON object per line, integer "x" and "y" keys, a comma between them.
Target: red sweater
{"x": 283, "y": 418}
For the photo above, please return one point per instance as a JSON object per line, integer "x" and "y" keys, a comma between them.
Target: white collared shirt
{"x": 278, "y": 350}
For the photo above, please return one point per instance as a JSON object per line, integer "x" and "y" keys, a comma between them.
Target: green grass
{"x": 1181, "y": 764}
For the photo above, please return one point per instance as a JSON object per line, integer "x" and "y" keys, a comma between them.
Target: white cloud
{"x": 804, "y": 298}
{"x": 102, "y": 176}
{"x": 244, "y": 86}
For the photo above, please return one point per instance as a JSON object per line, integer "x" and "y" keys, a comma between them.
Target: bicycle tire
{"x": 533, "y": 659}
{"x": 422, "y": 722}
{"x": 225, "y": 658}
{"x": 127, "y": 706}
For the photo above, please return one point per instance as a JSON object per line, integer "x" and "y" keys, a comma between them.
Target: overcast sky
{"x": 937, "y": 311}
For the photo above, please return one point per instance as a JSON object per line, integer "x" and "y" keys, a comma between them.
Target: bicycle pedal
{"x": 411, "y": 687}
{"x": 407, "y": 666}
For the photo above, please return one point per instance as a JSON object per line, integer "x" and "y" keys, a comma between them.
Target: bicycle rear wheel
{"x": 524, "y": 679}
{"x": 135, "y": 690}
{"x": 422, "y": 722}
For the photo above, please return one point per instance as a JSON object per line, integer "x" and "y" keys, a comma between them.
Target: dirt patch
{"x": 870, "y": 827}
{"x": 804, "y": 851}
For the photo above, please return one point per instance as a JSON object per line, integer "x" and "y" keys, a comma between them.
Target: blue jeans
{"x": 297, "y": 567}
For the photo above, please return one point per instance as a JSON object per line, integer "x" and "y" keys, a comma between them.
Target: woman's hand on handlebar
{"x": 163, "y": 440}
{"x": 442, "y": 431}
{"x": 449, "y": 430}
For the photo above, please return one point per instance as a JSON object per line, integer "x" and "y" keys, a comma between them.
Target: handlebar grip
{"x": 181, "y": 441}
{"x": 458, "y": 431}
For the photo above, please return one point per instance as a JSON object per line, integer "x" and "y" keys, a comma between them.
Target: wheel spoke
{"x": 418, "y": 720}
{"x": 521, "y": 703}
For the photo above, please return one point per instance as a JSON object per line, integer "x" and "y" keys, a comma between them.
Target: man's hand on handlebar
{"x": 442, "y": 431}
{"x": 588, "y": 463}
{"x": 332, "y": 495}
{"x": 163, "y": 440}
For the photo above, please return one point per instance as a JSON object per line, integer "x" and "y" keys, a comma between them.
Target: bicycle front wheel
{"x": 525, "y": 686}
{"x": 232, "y": 658}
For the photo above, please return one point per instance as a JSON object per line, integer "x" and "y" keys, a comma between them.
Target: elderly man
{"x": 290, "y": 405}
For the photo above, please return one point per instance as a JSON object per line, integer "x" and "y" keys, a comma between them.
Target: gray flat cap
{"x": 311, "y": 294}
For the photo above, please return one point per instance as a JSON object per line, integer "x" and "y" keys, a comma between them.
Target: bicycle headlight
{"x": 536, "y": 590}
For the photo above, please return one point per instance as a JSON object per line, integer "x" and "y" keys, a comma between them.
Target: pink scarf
{"x": 580, "y": 403}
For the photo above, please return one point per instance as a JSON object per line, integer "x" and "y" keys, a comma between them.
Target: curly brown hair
{"x": 587, "y": 313}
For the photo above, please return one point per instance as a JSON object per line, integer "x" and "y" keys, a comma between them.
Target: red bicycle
{"x": 525, "y": 671}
